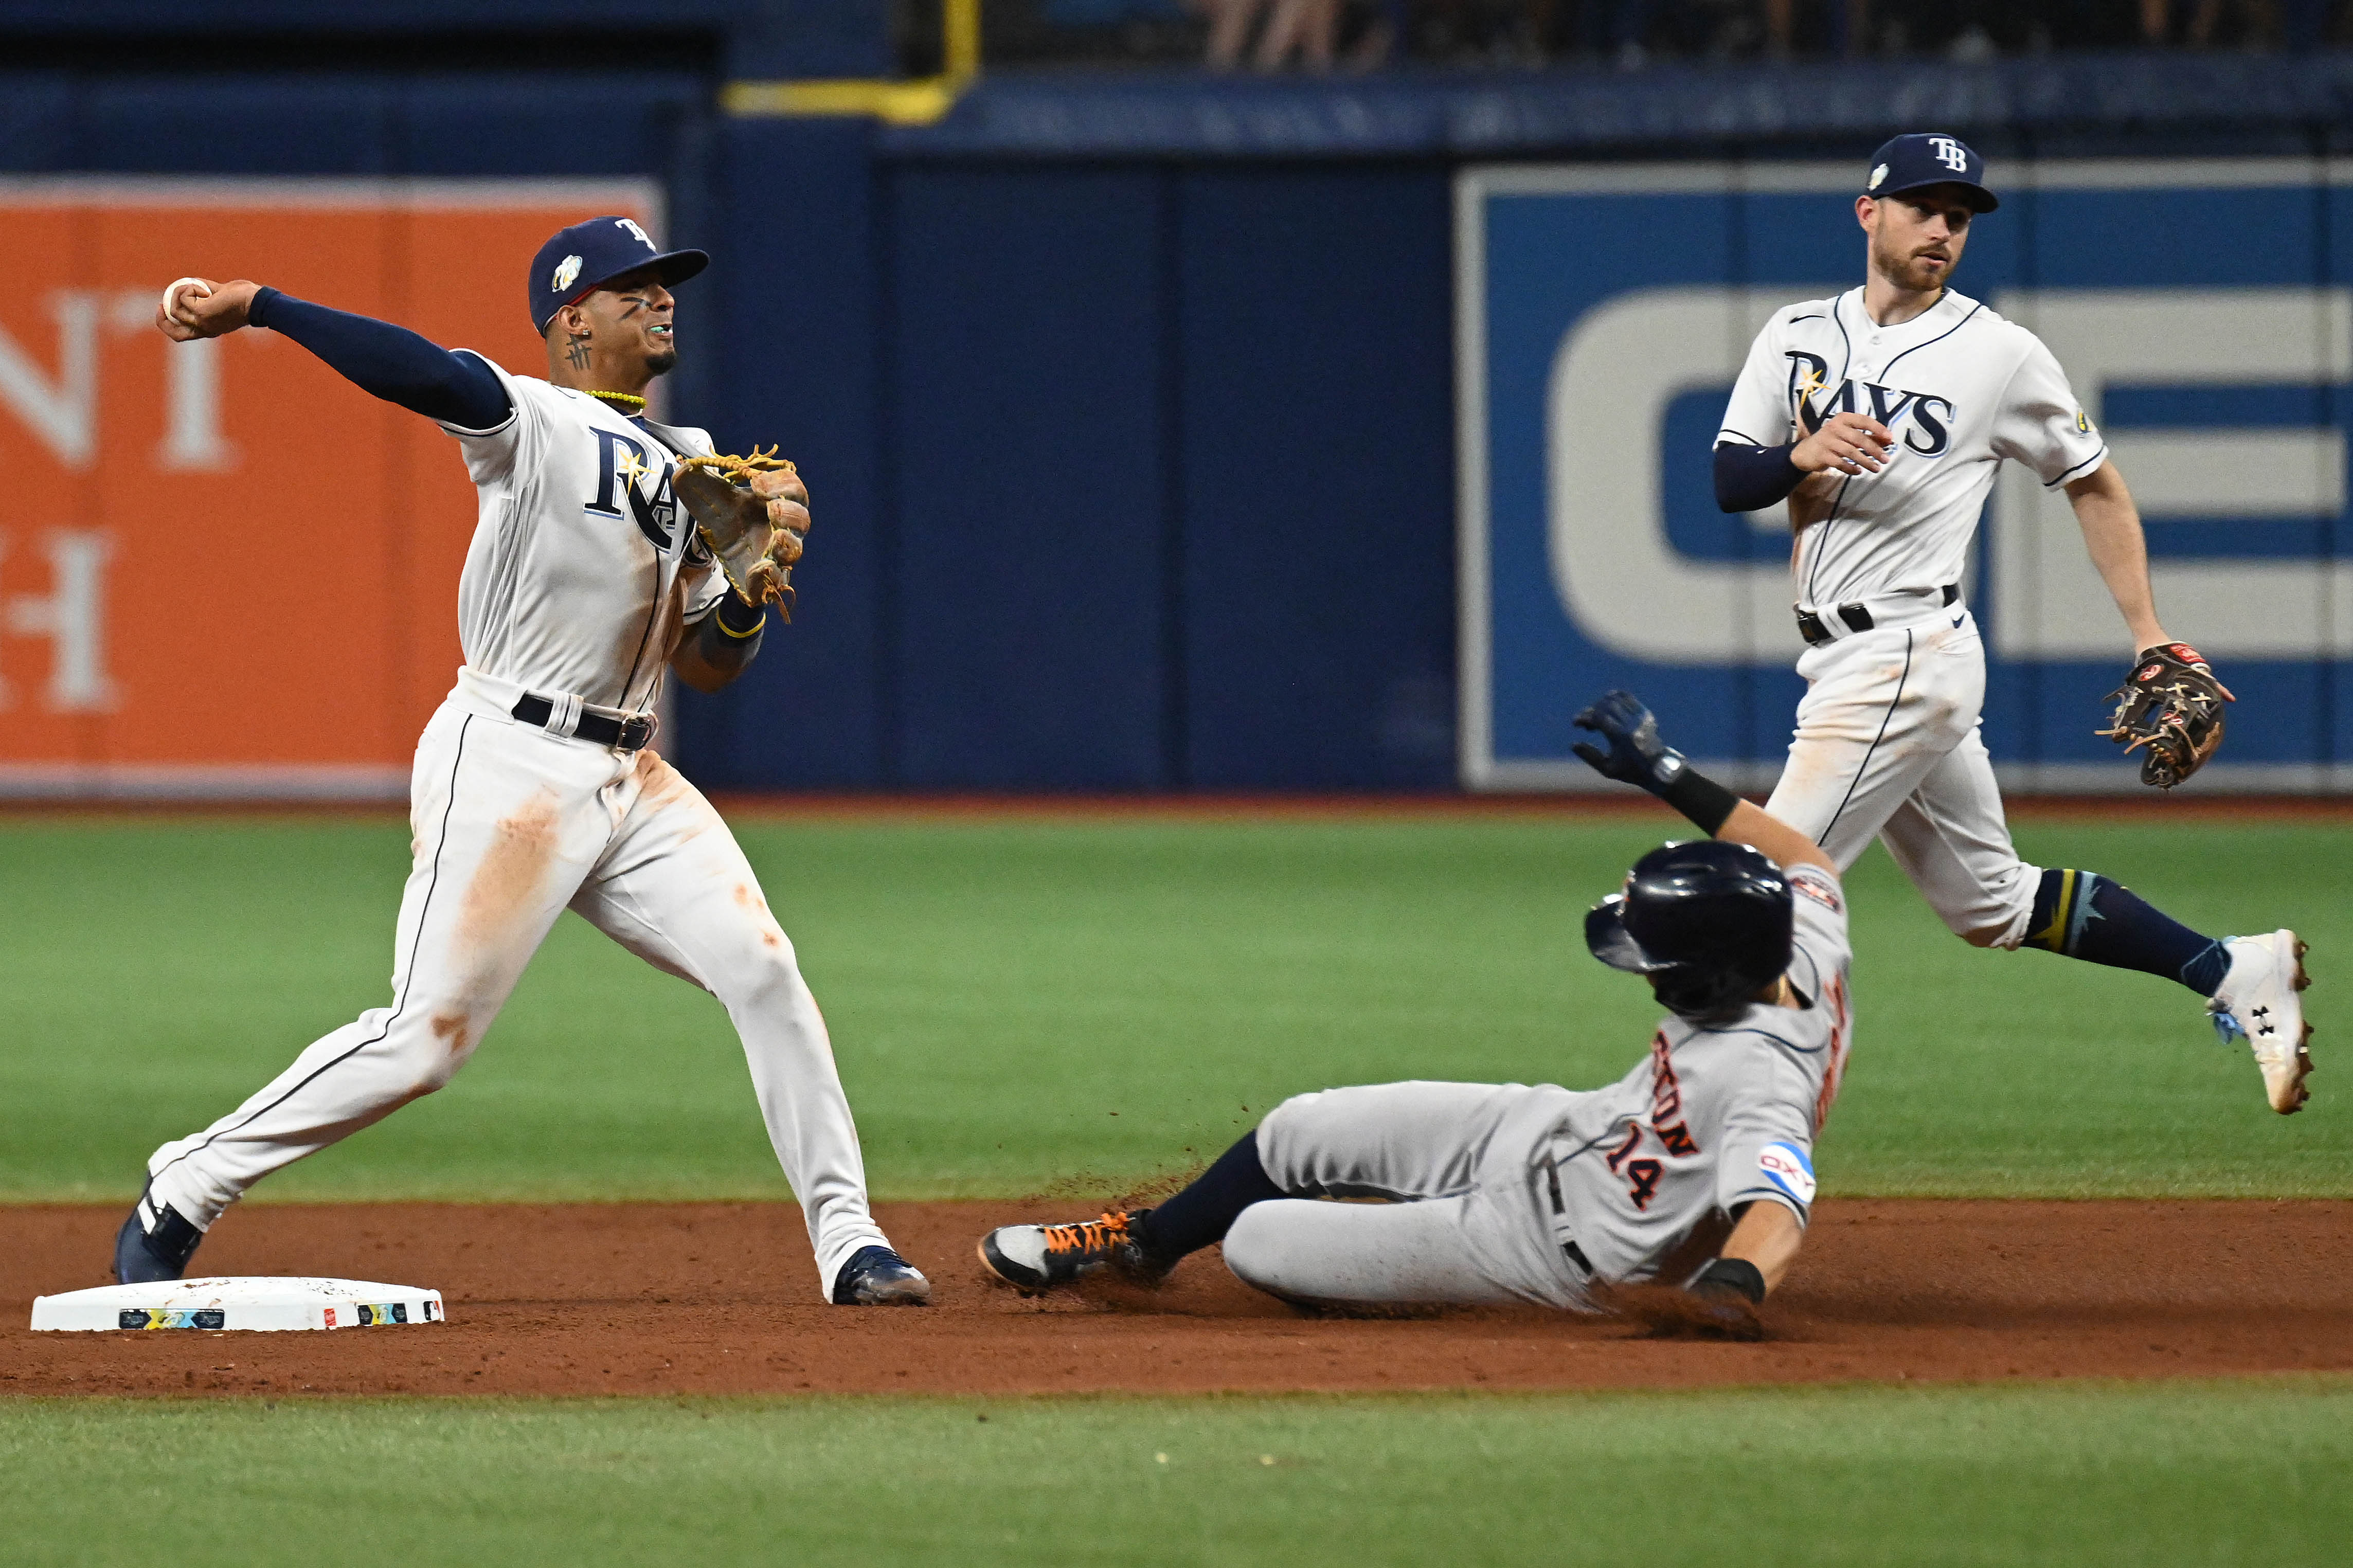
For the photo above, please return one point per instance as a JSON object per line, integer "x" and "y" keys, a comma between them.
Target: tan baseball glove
{"x": 2170, "y": 708}
{"x": 753, "y": 514}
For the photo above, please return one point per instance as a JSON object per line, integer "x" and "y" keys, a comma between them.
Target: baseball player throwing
{"x": 1679, "y": 1193}
{"x": 1881, "y": 415}
{"x": 535, "y": 789}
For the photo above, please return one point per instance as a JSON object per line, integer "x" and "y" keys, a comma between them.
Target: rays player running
{"x": 1693, "y": 1174}
{"x": 534, "y": 790}
{"x": 1881, "y": 415}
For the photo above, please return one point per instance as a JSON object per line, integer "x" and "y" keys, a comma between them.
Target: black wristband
{"x": 1732, "y": 1274}
{"x": 1707, "y": 803}
{"x": 739, "y": 620}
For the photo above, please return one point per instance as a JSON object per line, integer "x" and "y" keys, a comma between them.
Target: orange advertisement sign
{"x": 225, "y": 571}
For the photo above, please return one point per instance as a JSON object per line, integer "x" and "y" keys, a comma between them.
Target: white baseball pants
{"x": 1887, "y": 745}
{"x": 1470, "y": 1222}
{"x": 511, "y": 826}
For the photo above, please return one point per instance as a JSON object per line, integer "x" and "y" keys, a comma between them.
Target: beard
{"x": 661, "y": 361}
{"x": 1907, "y": 271}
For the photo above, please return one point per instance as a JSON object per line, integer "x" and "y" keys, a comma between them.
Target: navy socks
{"x": 1205, "y": 1210}
{"x": 2088, "y": 917}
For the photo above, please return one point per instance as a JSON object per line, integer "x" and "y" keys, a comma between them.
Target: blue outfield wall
{"x": 1129, "y": 475}
{"x": 1130, "y": 407}
{"x": 1606, "y": 310}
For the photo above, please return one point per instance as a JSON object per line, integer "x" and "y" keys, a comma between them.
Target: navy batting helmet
{"x": 1708, "y": 922}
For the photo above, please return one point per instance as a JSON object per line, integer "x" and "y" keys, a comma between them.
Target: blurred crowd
{"x": 1625, "y": 35}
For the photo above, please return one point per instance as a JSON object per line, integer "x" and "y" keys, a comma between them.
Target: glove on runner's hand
{"x": 1635, "y": 755}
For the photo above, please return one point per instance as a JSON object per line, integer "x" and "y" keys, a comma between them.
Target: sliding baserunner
{"x": 1689, "y": 1179}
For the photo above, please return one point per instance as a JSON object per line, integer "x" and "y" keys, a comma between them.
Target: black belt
{"x": 1854, "y": 617}
{"x": 1569, "y": 1249}
{"x": 621, "y": 735}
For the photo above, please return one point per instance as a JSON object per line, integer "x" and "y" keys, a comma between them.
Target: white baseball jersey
{"x": 584, "y": 567}
{"x": 1961, "y": 388}
{"x": 1651, "y": 1168}
{"x": 581, "y": 570}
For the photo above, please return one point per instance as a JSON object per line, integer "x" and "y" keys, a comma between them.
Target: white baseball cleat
{"x": 2257, "y": 1003}
{"x": 1035, "y": 1257}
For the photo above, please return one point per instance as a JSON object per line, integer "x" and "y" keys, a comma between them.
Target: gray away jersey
{"x": 583, "y": 568}
{"x": 1651, "y": 1168}
{"x": 1959, "y": 387}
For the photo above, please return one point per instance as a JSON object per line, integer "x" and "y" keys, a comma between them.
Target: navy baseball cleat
{"x": 878, "y": 1277}
{"x": 155, "y": 1243}
{"x": 1035, "y": 1257}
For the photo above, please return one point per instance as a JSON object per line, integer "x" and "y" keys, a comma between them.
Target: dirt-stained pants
{"x": 510, "y": 826}
{"x": 1466, "y": 1226}
{"x": 1887, "y": 746}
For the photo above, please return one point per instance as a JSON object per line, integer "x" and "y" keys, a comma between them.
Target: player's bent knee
{"x": 1254, "y": 1249}
{"x": 762, "y": 978}
{"x": 431, "y": 1078}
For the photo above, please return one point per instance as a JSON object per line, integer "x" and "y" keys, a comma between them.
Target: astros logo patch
{"x": 1787, "y": 1167}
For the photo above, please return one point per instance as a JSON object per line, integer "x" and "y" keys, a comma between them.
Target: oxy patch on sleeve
{"x": 1813, "y": 884}
{"x": 1789, "y": 1168}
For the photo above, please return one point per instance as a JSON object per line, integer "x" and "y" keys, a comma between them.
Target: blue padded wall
{"x": 1318, "y": 477}
{"x": 1025, "y": 444}
{"x": 1126, "y": 404}
{"x": 798, "y": 317}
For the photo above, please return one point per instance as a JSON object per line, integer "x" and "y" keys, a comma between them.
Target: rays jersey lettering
{"x": 1930, "y": 416}
{"x": 625, "y": 465}
{"x": 584, "y": 569}
{"x": 622, "y": 466}
{"x": 1961, "y": 389}
{"x": 1653, "y": 1168}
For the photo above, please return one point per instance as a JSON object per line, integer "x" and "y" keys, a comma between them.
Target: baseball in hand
{"x": 196, "y": 308}
{"x": 172, "y": 297}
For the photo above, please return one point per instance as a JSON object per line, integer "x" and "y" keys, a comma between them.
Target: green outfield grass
{"x": 2246, "y": 1473}
{"x": 1031, "y": 1005}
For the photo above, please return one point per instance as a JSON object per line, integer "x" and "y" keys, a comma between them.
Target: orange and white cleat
{"x": 2259, "y": 1002}
{"x": 1037, "y": 1257}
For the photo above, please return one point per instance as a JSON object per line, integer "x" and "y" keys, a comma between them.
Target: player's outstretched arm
{"x": 2113, "y": 538}
{"x": 1766, "y": 1239}
{"x": 1633, "y": 753}
{"x": 387, "y": 361}
{"x": 1722, "y": 1302}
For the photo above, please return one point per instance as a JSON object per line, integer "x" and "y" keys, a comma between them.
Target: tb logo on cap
{"x": 631, "y": 225}
{"x": 1951, "y": 154}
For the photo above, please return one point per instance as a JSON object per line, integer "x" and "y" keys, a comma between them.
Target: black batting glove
{"x": 1635, "y": 755}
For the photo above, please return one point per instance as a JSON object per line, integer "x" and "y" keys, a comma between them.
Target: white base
{"x": 247, "y": 1302}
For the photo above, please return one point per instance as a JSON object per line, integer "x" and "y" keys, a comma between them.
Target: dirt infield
{"x": 720, "y": 1298}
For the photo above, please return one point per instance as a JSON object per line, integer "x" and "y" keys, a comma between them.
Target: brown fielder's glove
{"x": 2172, "y": 705}
{"x": 753, "y": 514}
